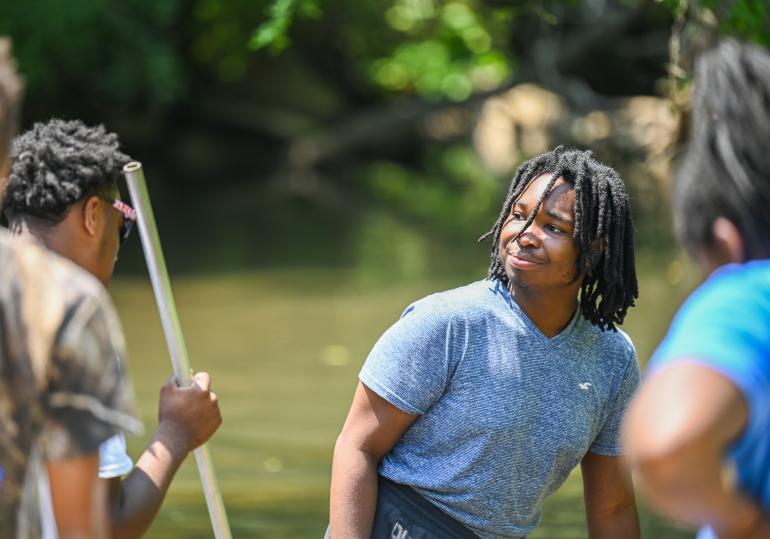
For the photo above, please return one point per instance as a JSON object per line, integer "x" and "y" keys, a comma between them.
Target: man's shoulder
{"x": 735, "y": 284}
{"x": 49, "y": 297}
{"x": 462, "y": 305}
{"x": 26, "y": 261}
{"x": 735, "y": 297}
{"x": 724, "y": 319}
{"x": 440, "y": 310}
{"x": 478, "y": 295}
{"x": 753, "y": 271}
{"x": 610, "y": 342}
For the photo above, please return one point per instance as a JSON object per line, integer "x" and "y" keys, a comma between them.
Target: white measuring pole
{"x": 161, "y": 285}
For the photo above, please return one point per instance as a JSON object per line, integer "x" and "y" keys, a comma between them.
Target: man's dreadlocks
{"x": 602, "y": 216}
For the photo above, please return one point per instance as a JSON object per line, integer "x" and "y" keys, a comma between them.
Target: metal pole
{"x": 161, "y": 285}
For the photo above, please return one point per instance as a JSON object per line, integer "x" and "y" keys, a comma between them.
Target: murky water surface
{"x": 284, "y": 351}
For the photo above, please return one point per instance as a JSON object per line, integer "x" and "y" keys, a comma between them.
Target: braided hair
{"x": 602, "y": 212}
{"x": 56, "y": 164}
{"x": 726, "y": 170}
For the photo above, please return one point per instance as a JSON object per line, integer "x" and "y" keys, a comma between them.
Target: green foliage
{"x": 444, "y": 49}
{"x": 147, "y": 52}
{"x": 455, "y": 193}
{"x": 273, "y": 33}
{"x": 432, "y": 48}
{"x": 219, "y": 32}
{"x": 748, "y": 19}
{"x": 125, "y": 50}
{"x": 745, "y": 19}
{"x": 199, "y": 79}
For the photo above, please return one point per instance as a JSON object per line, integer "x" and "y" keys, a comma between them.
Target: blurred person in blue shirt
{"x": 698, "y": 432}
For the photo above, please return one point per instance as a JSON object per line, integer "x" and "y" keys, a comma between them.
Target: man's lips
{"x": 521, "y": 261}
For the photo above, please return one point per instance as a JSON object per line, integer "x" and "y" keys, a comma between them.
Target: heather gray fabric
{"x": 505, "y": 413}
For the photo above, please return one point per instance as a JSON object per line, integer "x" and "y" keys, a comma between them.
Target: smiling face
{"x": 544, "y": 257}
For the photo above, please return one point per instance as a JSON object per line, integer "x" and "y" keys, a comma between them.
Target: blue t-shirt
{"x": 725, "y": 325}
{"x": 505, "y": 412}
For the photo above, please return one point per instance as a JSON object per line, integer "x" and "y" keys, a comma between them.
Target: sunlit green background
{"x": 316, "y": 165}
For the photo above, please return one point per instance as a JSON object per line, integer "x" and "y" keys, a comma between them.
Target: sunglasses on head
{"x": 129, "y": 216}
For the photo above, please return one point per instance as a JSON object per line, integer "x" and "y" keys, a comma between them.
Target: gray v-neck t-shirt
{"x": 505, "y": 413}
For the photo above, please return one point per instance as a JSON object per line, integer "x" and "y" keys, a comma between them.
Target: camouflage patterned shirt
{"x": 61, "y": 393}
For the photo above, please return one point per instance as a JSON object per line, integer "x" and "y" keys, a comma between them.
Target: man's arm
{"x": 372, "y": 428}
{"x": 609, "y": 498}
{"x": 188, "y": 416}
{"x": 79, "y": 500}
{"x": 677, "y": 433}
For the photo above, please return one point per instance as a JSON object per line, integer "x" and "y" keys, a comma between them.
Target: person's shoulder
{"x": 725, "y": 298}
{"x": 613, "y": 342}
{"x": 743, "y": 284}
{"x": 469, "y": 294}
{"x": 621, "y": 341}
{"x": 463, "y": 301}
{"x": 756, "y": 271}
{"x": 31, "y": 262}
{"x": 724, "y": 325}
{"x": 53, "y": 289}
{"x": 730, "y": 308}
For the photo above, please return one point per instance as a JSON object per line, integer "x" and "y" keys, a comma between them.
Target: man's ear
{"x": 728, "y": 243}
{"x": 92, "y": 215}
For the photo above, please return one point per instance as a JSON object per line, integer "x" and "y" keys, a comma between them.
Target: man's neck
{"x": 50, "y": 238}
{"x": 25, "y": 230}
{"x": 64, "y": 239}
{"x": 551, "y": 312}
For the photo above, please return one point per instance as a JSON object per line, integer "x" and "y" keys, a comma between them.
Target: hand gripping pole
{"x": 161, "y": 285}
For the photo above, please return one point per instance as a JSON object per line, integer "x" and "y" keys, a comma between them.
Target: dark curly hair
{"x": 56, "y": 164}
{"x": 602, "y": 213}
{"x": 726, "y": 170}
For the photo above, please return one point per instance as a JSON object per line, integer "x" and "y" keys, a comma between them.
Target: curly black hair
{"x": 602, "y": 213}
{"x": 726, "y": 169}
{"x": 56, "y": 164}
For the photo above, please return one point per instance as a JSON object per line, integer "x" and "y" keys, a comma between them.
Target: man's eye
{"x": 554, "y": 228}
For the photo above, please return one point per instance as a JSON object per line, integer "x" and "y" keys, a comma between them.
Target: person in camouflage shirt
{"x": 63, "y": 192}
{"x": 61, "y": 393}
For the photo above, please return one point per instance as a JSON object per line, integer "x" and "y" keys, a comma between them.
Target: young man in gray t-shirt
{"x": 477, "y": 404}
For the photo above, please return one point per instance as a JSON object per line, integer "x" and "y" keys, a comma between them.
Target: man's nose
{"x": 528, "y": 238}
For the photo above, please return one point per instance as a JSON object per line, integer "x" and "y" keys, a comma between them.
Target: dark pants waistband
{"x": 402, "y": 513}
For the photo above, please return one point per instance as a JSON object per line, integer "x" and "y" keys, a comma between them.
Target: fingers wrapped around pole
{"x": 161, "y": 285}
